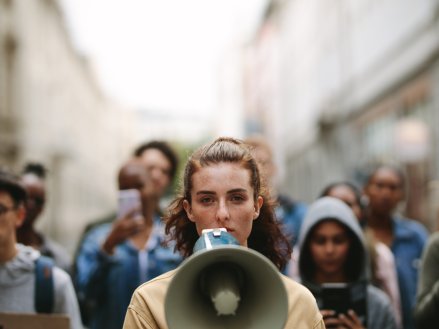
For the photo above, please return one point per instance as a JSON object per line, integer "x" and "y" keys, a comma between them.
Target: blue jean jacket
{"x": 409, "y": 241}
{"x": 290, "y": 215}
{"x": 108, "y": 281}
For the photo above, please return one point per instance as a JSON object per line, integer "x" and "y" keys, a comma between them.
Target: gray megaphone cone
{"x": 226, "y": 286}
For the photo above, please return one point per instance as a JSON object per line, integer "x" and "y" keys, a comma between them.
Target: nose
{"x": 154, "y": 173}
{"x": 329, "y": 247}
{"x": 222, "y": 213}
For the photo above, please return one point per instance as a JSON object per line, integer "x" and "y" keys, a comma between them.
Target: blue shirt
{"x": 108, "y": 281}
{"x": 409, "y": 241}
{"x": 290, "y": 215}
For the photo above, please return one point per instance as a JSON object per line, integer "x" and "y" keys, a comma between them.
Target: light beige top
{"x": 146, "y": 310}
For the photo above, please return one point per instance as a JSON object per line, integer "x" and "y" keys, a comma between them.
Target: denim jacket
{"x": 408, "y": 243}
{"x": 108, "y": 281}
{"x": 290, "y": 215}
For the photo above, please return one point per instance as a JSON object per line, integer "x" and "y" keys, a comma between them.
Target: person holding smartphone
{"x": 114, "y": 258}
{"x": 333, "y": 264}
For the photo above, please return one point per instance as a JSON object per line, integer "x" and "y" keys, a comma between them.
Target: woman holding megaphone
{"x": 222, "y": 189}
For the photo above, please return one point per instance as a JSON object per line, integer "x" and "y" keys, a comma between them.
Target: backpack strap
{"x": 44, "y": 287}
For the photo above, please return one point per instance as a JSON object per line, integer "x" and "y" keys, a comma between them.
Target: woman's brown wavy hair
{"x": 265, "y": 237}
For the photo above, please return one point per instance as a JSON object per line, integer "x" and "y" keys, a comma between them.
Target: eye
{"x": 206, "y": 200}
{"x": 393, "y": 187}
{"x": 340, "y": 239}
{"x": 237, "y": 198}
{"x": 319, "y": 240}
{"x": 166, "y": 172}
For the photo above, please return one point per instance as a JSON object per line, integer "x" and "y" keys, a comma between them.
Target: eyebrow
{"x": 231, "y": 191}
{"x": 237, "y": 190}
{"x": 2, "y": 205}
{"x": 205, "y": 192}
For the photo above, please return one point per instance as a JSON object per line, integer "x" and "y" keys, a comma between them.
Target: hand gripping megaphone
{"x": 224, "y": 285}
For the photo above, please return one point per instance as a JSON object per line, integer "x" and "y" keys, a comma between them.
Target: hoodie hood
{"x": 328, "y": 208}
{"x": 15, "y": 272}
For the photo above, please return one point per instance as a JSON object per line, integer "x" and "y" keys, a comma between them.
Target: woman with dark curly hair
{"x": 222, "y": 189}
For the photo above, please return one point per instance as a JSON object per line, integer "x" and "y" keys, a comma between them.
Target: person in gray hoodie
{"x": 17, "y": 262}
{"x": 332, "y": 251}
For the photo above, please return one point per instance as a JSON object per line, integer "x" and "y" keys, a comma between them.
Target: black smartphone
{"x": 341, "y": 297}
{"x": 336, "y": 297}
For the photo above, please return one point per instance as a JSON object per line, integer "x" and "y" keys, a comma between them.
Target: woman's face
{"x": 159, "y": 170}
{"x": 329, "y": 246}
{"x": 223, "y": 197}
{"x": 384, "y": 191}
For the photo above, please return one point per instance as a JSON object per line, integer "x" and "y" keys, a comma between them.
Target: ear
{"x": 258, "y": 204}
{"x": 21, "y": 215}
{"x": 187, "y": 207}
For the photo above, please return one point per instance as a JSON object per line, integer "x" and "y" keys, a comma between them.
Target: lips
{"x": 330, "y": 264}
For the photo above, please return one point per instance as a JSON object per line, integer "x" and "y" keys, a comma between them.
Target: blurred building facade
{"x": 178, "y": 128}
{"x": 336, "y": 85}
{"x": 52, "y": 111}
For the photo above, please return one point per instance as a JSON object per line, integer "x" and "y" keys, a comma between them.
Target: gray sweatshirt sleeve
{"x": 65, "y": 298}
{"x": 427, "y": 306}
{"x": 380, "y": 313}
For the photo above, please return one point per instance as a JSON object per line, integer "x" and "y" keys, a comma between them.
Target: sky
{"x": 160, "y": 54}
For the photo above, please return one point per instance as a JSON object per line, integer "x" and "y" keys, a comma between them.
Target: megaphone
{"x": 223, "y": 285}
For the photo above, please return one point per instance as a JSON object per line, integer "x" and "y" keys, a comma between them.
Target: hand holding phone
{"x": 342, "y": 299}
{"x": 347, "y": 321}
{"x": 129, "y": 219}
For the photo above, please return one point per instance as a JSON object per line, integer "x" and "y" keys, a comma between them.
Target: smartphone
{"x": 127, "y": 201}
{"x": 336, "y": 297}
{"x": 341, "y": 297}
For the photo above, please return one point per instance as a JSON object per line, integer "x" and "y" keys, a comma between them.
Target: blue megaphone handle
{"x": 214, "y": 237}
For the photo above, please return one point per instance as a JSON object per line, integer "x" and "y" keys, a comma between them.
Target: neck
{"x": 140, "y": 238}
{"x": 8, "y": 252}
{"x": 28, "y": 236}
{"x": 375, "y": 220}
{"x": 148, "y": 214}
{"x": 149, "y": 209}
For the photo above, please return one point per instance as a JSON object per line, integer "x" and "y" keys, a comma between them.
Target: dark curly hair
{"x": 265, "y": 237}
{"x": 163, "y": 147}
{"x": 35, "y": 168}
{"x": 10, "y": 183}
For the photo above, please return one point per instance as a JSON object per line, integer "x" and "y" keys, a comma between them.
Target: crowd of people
{"x": 347, "y": 260}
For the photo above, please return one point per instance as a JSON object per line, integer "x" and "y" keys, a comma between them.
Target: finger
{"x": 354, "y": 316}
{"x": 133, "y": 212}
{"x": 352, "y": 322}
{"x": 140, "y": 225}
{"x": 126, "y": 228}
{"x": 346, "y": 321}
{"x": 327, "y": 313}
{"x": 134, "y": 226}
{"x": 332, "y": 322}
